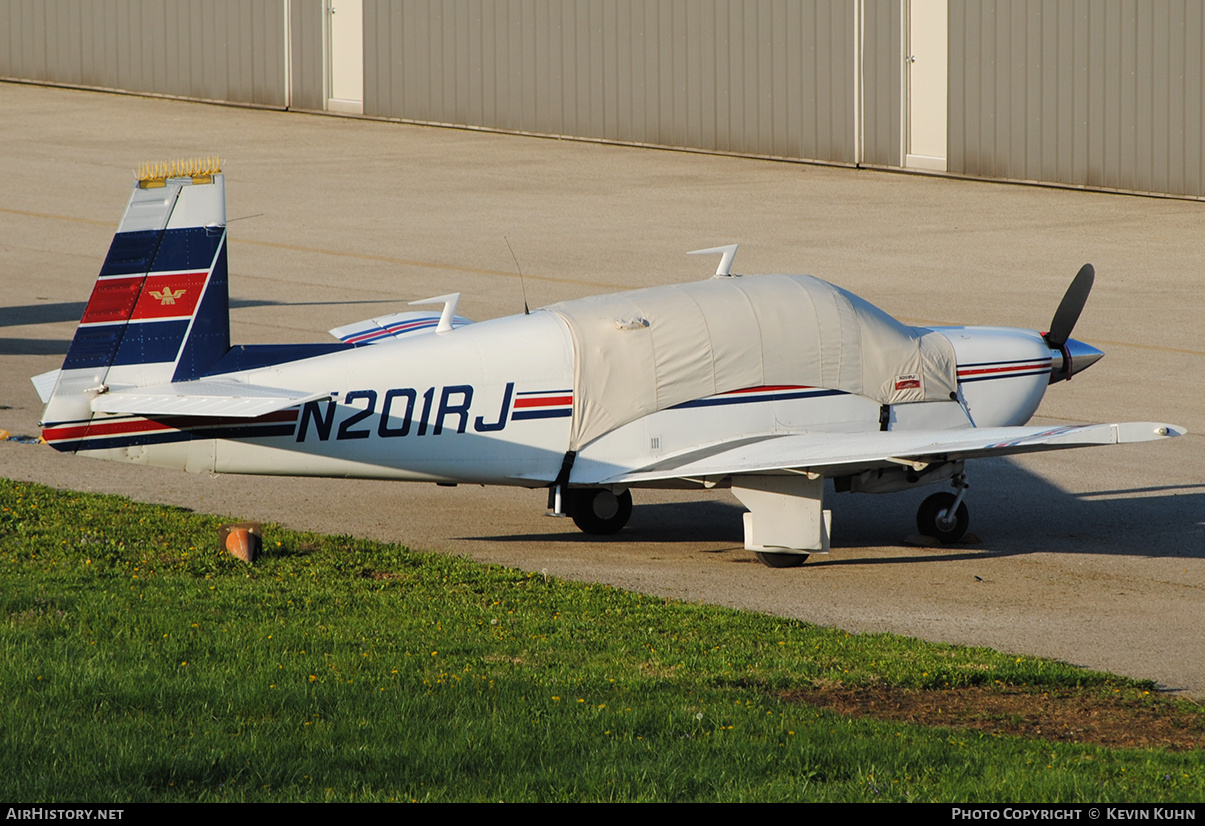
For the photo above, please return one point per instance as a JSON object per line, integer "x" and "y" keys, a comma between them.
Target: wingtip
{"x": 1147, "y": 431}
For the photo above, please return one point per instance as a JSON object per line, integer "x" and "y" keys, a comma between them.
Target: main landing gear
{"x": 944, "y": 516}
{"x": 776, "y": 560}
{"x": 598, "y": 511}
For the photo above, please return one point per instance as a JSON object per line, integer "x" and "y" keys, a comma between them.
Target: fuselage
{"x": 492, "y": 403}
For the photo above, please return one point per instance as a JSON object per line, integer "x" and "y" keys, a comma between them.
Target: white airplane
{"x": 767, "y": 385}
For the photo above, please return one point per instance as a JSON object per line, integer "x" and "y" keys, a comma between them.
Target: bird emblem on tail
{"x": 167, "y": 296}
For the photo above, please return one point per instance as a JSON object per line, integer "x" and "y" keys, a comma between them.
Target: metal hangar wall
{"x": 1104, "y": 94}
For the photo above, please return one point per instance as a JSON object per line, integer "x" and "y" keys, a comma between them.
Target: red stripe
{"x": 392, "y": 329}
{"x": 79, "y": 431}
{"x": 174, "y": 296}
{"x": 549, "y": 401}
{"x": 1010, "y": 369}
{"x": 112, "y": 299}
{"x": 767, "y": 388}
{"x": 55, "y": 434}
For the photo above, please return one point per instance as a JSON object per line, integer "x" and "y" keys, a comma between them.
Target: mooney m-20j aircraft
{"x": 767, "y": 385}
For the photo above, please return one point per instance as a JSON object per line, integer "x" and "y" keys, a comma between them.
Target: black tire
{"x": 774, "y": 560}
{"x": 599, "y": 512}
{"x": 927, "y": 519}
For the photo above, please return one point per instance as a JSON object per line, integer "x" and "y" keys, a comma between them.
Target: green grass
{"x": 137, "y": 663}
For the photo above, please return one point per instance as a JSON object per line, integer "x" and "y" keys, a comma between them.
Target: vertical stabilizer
{"x": 159, "y": 311}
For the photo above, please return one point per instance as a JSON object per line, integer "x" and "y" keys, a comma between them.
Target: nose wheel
{"x": 944, "y": 516}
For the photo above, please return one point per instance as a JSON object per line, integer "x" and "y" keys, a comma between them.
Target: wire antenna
{"x": 522, "y": 285}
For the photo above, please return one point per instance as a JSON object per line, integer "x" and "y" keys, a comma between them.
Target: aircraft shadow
{"x": 42, "y": 313}
{"x": 1017, "y": 513}
{"x": 34, "y": 346}
{"x": 1013, "y": 513}
{"x": 672, "y": 522}
{"x": 72, "y": 311}
{"x": 245, "y": 303}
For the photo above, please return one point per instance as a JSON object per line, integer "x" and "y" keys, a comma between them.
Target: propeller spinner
{"x": 1059, "y": 338}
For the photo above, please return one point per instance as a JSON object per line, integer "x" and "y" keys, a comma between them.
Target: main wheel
{"x": 932, "y": 519}
{"x": 774, "y": 560}
{"x": 598, "y": 511}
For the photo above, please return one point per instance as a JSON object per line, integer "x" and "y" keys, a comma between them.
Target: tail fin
{"x": 160, "y": 309}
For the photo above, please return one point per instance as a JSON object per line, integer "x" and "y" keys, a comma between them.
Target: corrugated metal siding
{"x": 214, "y": 49}
{"x": 307, "y": 69}
{"x": 1098, "y": 93}
{"x": 881, "y": 90}
{"x": 764, "y": 77}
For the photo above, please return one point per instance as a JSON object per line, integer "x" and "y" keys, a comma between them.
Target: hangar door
{"x": 925, "y": 92}
{"x": 345, "y": 56}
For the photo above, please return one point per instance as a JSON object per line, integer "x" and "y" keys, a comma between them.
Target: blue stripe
{"x": 136, "y": 253}
{"x": 149, "y": 342}
{"x": 135, "y": 343}
{"x": 1035, "y": 361}
{"x": 130, "y": 253}
{"x": 750, "y": 399}
{"x": 1045, "y": 371}
{"x": 191, "y": 248}
{"x": 519, "y": 415}
{"x": 93, "y": 346}
{"x": 248, "y": 431}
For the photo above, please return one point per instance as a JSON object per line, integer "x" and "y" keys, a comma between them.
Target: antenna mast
{"x": 522, "y": 285}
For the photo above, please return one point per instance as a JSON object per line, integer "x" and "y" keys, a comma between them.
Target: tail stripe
{"x": 169, "y": 296}
{"x": 93, "y": 346}
{"x": 158, "y": 305}
{"x": 131, "y": 253}
{"x": 151, "y": 342}
{"x": 187, "y": 249}
{"x": 117, "y": 344}
{"x": 113, "y": 299}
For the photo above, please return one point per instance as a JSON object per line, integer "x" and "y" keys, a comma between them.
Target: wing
{"x": 837, "y": 454}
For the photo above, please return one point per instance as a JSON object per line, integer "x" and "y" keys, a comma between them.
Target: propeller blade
{"x": 1070, "y": 307}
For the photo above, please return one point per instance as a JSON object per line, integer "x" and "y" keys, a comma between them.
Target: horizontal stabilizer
{"x": 202, "y": 398}
{"x": 44, "y": 383}
{"x": 834, "y": 454}
{"x": 395, "y": 326}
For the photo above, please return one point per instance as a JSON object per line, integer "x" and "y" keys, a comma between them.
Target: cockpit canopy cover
{"x": 647, "y": 350}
